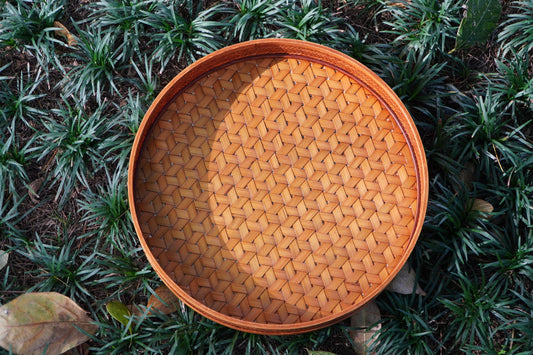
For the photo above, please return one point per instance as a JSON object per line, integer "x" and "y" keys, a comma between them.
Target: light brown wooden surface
{"x": 277, "y": 186}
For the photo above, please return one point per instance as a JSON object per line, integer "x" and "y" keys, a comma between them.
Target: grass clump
{"x": 183, "y": 30}
{"x": 517, "y": 32}
{"x": 69, "y": 111}
{"x": 70, "y": 141}
{"x": 29, "y": 25}
{"x": 97, "y": 66}
{"x": 307, "y": 20}
{"x": 424, "y": 26}
{"x": 253, "y": 19}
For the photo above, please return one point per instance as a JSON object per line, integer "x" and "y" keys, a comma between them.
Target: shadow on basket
{"x": 277, "y": 189}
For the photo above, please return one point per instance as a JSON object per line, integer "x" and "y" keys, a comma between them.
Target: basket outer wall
{"x": 281, "y": 47}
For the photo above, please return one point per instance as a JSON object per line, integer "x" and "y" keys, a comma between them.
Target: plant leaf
{"x": 482, "y": 206}
{"x": 64, "y": 32}
{"x": 164, "y": 300}
{"x": 33, "y": 187}
{"x": 43, "y": 321}
{"x": 82, "y": 349}
{"x": 404, "y": 282}
{"x": 119, "y": 311}
{"x": 361, "y": 320}
{"x": 4, "y": 258}
{"x": 481, "y": 19}
{"x": 318, "y": 352}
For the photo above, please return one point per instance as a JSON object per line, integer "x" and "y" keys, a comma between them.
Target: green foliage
{"x": 183, "y": 30}
{"x": 69, "y": 115}
{"x": 480, "y": 21}
{"x": 10, "y": 216}
{"x": 307, "y": 20}
{"x": 71, "y": 138}
{"x": 513, "y": 85}
{"x": 147, "y": 81}
{"x": 107, "y": 211}
{"x": 417, "y": 80}
{"x": 186, "y": 332}
{"x": 29, "y": 25}
{"x": 474, "y": 310}
{"x": 425, "y": 26}
{"x": 517, "y": 30}
{"x": 62, "y": 266}
{"x": 95, "y": 74}
{"x": 520, "y": 327}
{"x": 12, "y": 162}
{"x": 120, "y": 312}
{"x": 18, "y": 102}
{"x": 253, "y": 19}
{"x": 404, "y": 331}
{"x": 124, "y": 17}
{"x": 489, "y": 136}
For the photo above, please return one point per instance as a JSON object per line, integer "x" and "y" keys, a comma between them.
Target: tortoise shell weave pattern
{"x": 277, "y": 190}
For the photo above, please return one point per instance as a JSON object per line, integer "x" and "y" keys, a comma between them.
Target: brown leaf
{"x": 64, "y": 32}
{"x": 82, "y": 349}
{"x": 134, "y": 310}
{"x": 361, "y": 320}
{"x": 404, "y": 282}
{"x": 467, "y": 174}
{"x": 33, "y": 187}
{"x": 37, "y": 321}
{"x": 401, "y": 4}
{"x": 164, "y": 300}
{"x": 482, "y": 206}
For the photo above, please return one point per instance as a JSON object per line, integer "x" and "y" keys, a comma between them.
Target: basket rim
{"x": 283, "y": 48}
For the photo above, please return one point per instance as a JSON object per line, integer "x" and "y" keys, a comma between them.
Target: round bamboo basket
{"x": 277, "y": 186}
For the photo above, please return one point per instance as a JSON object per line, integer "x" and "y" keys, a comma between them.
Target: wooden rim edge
{"x": 313, "y": 51}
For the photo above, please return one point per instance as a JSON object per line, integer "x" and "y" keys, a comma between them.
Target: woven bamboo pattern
{"x": 277, "y": 190}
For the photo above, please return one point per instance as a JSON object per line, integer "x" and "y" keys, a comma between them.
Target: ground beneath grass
{"x": 68, "y": 115}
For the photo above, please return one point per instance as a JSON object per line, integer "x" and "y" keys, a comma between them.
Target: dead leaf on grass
{"x": 64, "y": 32}
{"x": 404, "y": 282}
{"x": 164, "y": 300}
{"x": 47, "y": 322}
{"x": 33, "y": 187}
{"x": 82, "y": 349}
{"x": 360, "y": 321}
{"x": 134, "y": 310}
{"x": 467, "y": 174}
{"x": 402, "y": 4}
{"x": 483, "y": 207}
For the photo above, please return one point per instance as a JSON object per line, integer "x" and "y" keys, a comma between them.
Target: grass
{"x": 69, "y": 111}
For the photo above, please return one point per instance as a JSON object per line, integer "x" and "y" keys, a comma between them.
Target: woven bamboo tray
{"x": 277, "y": 186}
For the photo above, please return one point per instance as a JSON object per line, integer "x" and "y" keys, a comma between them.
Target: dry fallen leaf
{"x": 483, "y": 207}
{"x": 82, "y": 349}
{"x": 361, "y": 320}
{"x": 467, "y": 174}
{"x": 404, "y": 282}
{"x": 33, "y": 187}
{"x": 134, "y": 310}
{"x": 35, "y": 322}
{"x": 164, "y": 300}
{"x": 403, "y": 5}
{"x": 64, "y": 32}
